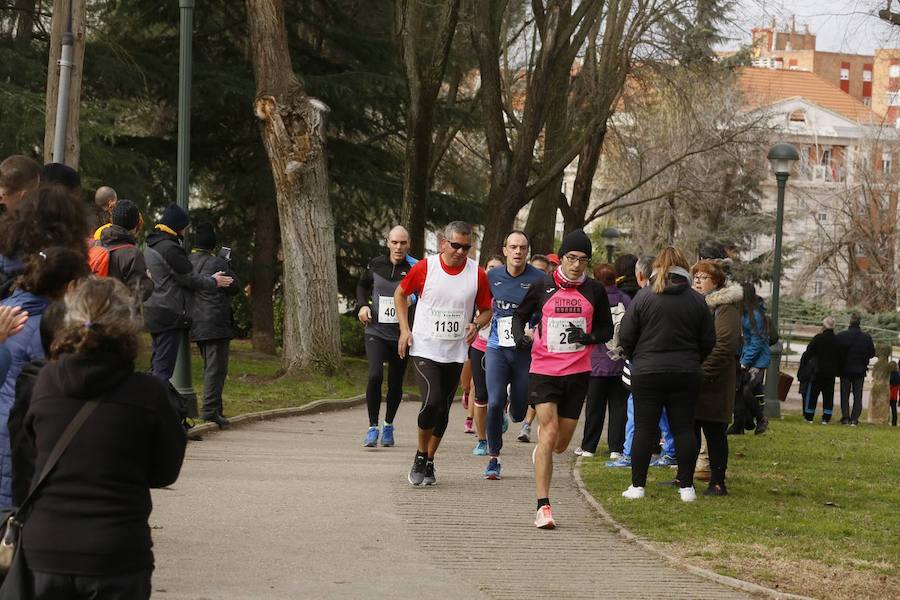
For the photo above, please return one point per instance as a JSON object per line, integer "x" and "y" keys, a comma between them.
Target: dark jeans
{"x": 893, "y": 413}
{"x": 750, "y": 397}
{"x": 676, "y": 392}
{"x": 605, "y": 392}
{"x": 717, "y": 446}
{"x": 378, "y": 352}
{"x": 165, "y": 353}
{"x": 437, "y": 385}
{"x": 56, "y": 586}
{"x": 824, "y": 386}
{"x": 854, "y": 384}
{"x": 215, "y": 370}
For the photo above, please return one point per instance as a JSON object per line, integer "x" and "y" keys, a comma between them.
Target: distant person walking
{"x": 857, "y": 348}
{"x": 826, "y": 353}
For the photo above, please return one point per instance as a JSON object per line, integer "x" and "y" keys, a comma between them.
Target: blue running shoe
{"x": 505, "y": 422}
{"x": 387, "y": 436}
{"x": 371, "y": 438}
{"x": 480, "y": 448}
{"x": 493, "y": 469}
{"x": 622, "y": 463}
{"x": 664, "y": 460}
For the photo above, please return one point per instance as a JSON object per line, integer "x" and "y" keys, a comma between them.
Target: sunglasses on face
{"x": 458, "y": 246}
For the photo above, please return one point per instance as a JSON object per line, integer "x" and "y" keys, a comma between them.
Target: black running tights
{"x": 437, "y": 385}
{"x": 380, "y": 351}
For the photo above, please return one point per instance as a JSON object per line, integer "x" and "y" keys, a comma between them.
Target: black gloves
{"x": 576, "y": 335}
{"x": 524, "y": 344}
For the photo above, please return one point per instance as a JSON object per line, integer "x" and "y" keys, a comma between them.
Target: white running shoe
{"x": 544, "y": 518}
{"x": 633, "y": 493}
{"x": 584, "y": 453}
{"x": 615, "y": 456}
{"x": 688, "y": 494}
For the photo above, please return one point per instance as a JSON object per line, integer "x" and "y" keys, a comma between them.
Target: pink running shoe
{"x": 468, "y": 427}
{"x": 544, "y": 518}
{"x": 465, "y": 401}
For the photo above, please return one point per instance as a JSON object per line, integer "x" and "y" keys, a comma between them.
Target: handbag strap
{"x": 61, "y": 444}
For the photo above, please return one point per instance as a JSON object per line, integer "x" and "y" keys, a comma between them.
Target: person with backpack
{"x": 211, "y": 328}
{"x": 117, "y": 255}
{"x": 168, "y": 312}
{"x": 86, "y": 533}
{"x": 605, "y": 387}
{"x": 46, "y": 278}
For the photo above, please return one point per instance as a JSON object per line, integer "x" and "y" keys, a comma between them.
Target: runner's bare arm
{"x": 401, "y": 302}
{"x": 483, "y": 318}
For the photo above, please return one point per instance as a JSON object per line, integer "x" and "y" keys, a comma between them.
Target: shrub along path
{"x": 296, "y": 508}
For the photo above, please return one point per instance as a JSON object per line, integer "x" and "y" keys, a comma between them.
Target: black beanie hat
{"x": 125, "y": 214}
{"x": 60, "y": 174}
{"x": 578, "y": 241}
{"x": 175, "y": 218}
{"x": 204, "y": 236}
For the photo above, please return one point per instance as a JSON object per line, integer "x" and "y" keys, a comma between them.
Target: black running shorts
{"x": 566, "y": 391}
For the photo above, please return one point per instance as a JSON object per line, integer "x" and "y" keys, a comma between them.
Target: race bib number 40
{"x": 559, "y": 332}
{"x": 448, "y": 324}
{"x": 504, "y": 332}
{"x": 387, "y": 310}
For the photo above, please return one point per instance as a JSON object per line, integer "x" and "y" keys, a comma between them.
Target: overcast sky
{"x": 850, "y": 26}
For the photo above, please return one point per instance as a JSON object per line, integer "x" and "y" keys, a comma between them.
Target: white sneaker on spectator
{"x": 633, "y": 493}
{"x": 688, "y": 494}
{"x": 615, "y": 455}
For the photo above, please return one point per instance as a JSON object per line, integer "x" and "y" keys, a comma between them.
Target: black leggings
{"x": 677, "y": 392}
{"x": 380, "y": 351}
{"x": 717, "y": 446}
{"x": 894, "y": 413}
{"x": 605, "y": 392}
{"x": 479, "y": 380}
{"x": 437, "y": 385}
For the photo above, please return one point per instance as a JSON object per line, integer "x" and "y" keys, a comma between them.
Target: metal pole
{"x": 609, "y": 252}
{"x": 773, "y": 404}
{"x": 62, "y": 99}
{"x": 181, "y": 379}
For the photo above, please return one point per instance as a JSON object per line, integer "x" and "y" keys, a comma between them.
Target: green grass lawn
{"x": 255, "y": 383}
{"x": 812, "y": 510}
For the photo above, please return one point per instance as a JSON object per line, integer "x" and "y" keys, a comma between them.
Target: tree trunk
{"x": 25, "y": 21}
{"x": 292, "y": 126}
{"x": 58, "y": 28}
{"x": 262, "y": 288}
{"x": 416, "y": 180}
{"x": 588, "y": 161}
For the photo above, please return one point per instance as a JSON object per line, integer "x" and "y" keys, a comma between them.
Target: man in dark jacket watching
{"x": 856, "y": 349}
{"x": 126, "y": 261}
{"x": 211, "y": 328}
{"x": 824, "y": 348}
{"x": 168, "y": 311}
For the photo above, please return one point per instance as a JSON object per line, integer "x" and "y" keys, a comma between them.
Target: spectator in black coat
{"x": 857, "y": 348}
{"x": 211, "y": 327}
{"x": 88, "y": 528}
{"x": 825, "y": 350}
{"x": 126, "y": 261}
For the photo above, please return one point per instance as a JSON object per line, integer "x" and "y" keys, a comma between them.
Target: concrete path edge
{"x": 324, "y": 405}
{"x": 679, "y": 562}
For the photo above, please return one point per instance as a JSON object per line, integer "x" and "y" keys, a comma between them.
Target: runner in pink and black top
{"x": 575, "y": 315}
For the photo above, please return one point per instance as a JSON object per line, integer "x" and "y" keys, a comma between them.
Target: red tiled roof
{"x": 766, "y": 86}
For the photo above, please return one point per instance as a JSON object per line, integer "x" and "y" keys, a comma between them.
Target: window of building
{"x": 885, "y": 203}
{"x": 867, "y": 101}
{"x": 894, "y": 71}
{"x": 826, "y": 157}
{"x": 822, "y": 217}
{"x": 845, "y": 74}
{"x": 798, "y": 116}
{"x": 818, "y": 288}
{"x": 886, "y": 162}
{"x": 893, "y": 98}
{"x": 867, "y": 76}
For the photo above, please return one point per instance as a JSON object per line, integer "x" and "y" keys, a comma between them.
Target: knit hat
{"x": 60, "y": 174}
{"x": 578, "y": 241}
{"x": 125, "y": 214}
{"x": 205, "y": 236}
{"x": 175, "y": 218}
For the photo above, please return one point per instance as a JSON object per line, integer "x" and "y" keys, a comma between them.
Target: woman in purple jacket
{"x": 606, "y": 388}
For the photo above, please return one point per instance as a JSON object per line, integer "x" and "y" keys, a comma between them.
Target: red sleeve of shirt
{"x": 414, "y": 282}
{"x": 483, "y": 298}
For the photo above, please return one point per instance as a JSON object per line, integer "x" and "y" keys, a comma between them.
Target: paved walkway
{"x": 295, "y": 508}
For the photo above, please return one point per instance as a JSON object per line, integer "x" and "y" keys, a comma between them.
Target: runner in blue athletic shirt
{"x": 504, "y": 364}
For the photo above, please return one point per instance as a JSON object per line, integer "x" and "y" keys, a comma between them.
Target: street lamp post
{"x": 782, "y": 156}
{"x": 610, "y": 235}
{"x": 181, "y": 379}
